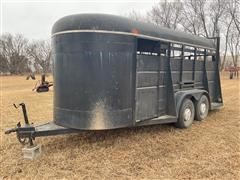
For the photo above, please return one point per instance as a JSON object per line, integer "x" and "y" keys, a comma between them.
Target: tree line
{"x": 18, "y": 55}
{"x": 202, "y": 18}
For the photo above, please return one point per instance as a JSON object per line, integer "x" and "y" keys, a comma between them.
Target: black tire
{"x": 186, "y": 114}
{"x": 201, "y": 108}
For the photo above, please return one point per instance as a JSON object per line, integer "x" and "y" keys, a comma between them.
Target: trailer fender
{"x": 194, "y": 95}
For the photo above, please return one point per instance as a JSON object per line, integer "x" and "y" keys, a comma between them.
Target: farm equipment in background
{"x": 43, "y": 85}
{"x": 233, "y": 71}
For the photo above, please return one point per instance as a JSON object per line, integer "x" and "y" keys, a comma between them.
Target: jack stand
{"x": 32, "y": 152}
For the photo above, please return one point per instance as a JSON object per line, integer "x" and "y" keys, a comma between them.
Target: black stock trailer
{"x": 112, "y": 72}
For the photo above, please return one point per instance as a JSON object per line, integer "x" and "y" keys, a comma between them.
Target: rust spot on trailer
{"x": 135, "y": 31}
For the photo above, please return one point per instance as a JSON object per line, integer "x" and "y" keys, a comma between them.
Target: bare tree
{"x": 202, "y": 14}
{"x": 191, "y": 21}
{"x": 202, "y": 17}
{"x": 195, "y": 17}
{"x": 166, "y": 13}
{"x": 216, "y": 11}
{"x": 227, "y": 24}
{"x": 40, "y": 53}
{"x": 234, "y": 46}
{"x": 234, "y": 10}
{"x": 13, "y": 53}
{"x": 3, "y": 64}
{"x": 232, "y": 36}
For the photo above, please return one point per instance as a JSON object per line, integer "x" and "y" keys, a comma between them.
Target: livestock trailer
{"x": 112, "y": 72}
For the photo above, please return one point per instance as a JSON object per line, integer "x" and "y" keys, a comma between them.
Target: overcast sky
{"x": 34, "y": 19}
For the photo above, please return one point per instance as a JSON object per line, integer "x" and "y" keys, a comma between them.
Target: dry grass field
{"x": 209, "y": 149}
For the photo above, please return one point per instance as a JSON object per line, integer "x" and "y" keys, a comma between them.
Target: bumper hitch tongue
{"x": 25, "y": 134}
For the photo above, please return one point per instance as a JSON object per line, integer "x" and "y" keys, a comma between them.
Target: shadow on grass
{"x": 133, "y": 133}
{"x": 107, "y": 137}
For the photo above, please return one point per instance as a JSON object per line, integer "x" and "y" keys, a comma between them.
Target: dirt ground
{"x": 209, "y": 149}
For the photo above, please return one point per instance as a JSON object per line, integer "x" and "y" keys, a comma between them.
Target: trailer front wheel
{"x": 186, "y": 114}
{"x": 202, "y": 108}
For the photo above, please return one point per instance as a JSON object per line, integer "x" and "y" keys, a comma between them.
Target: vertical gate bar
{"x": 205, "y": 78}
{"x": 218, "y": 91}
{"x": 169, "y": 72}
{"x": 134, "y": 82}
{"x": 181, "y": 68}
{"x": 158, "y": 79}
{"x": 194, "y": 62}
{"x": 171, "y": 106}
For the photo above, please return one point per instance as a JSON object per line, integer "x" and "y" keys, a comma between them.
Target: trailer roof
{"x": 104, "y": 23}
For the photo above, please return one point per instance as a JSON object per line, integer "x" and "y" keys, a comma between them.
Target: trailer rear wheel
{"x": 202, "y": 107}
{"x": 186, "y": 114}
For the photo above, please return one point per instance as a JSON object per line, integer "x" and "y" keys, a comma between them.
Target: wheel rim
{"x": 203, "y": 108}
{"x": 187, "y": 114}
